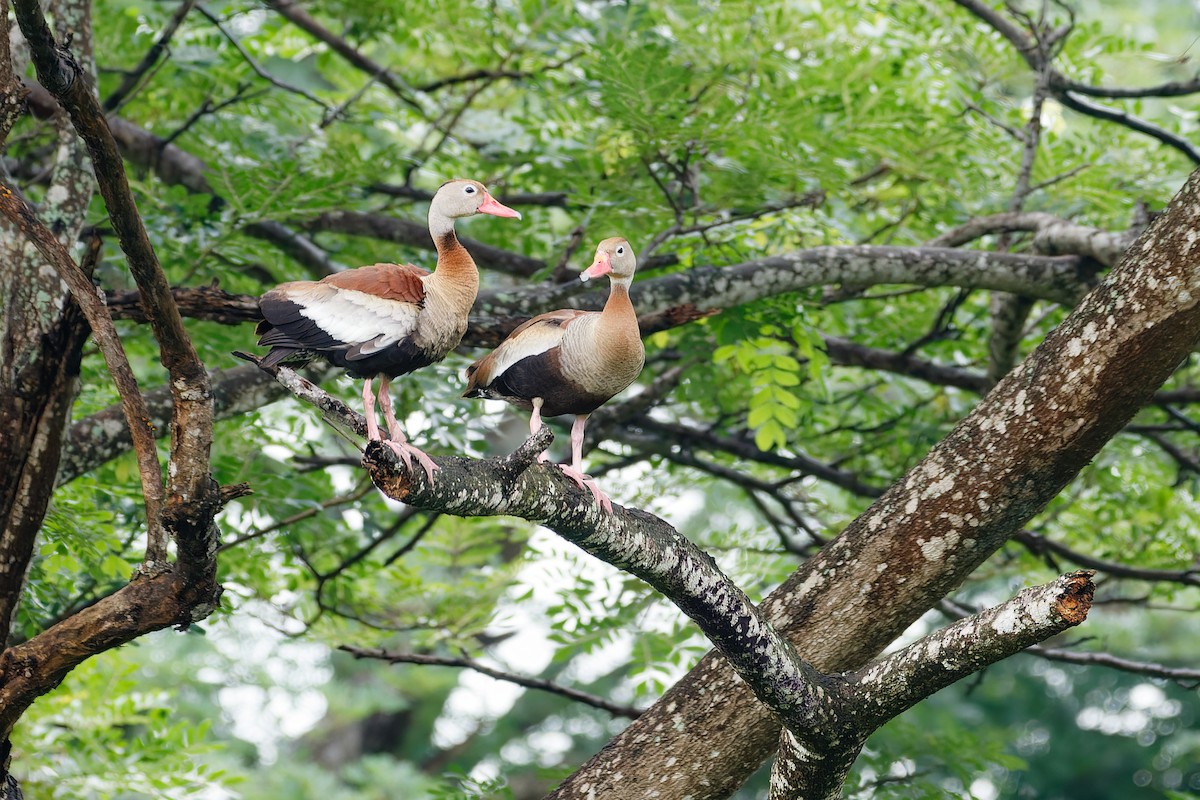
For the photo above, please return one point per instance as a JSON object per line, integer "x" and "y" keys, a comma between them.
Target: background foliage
{"x": 711, "y": 131}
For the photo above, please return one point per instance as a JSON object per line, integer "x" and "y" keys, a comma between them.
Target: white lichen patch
{"x": 1007, "y": 621}
{"x": 814, "y": 580}
{"x": 1019, "y": 403}
{"x": 939, "y": 487}
{"x": 933, "y": 549}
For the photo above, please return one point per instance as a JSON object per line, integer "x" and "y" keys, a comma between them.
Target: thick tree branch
{"x": 896, "y": 683}
{"x": 42, "y": 331}
{"x": 1060, "y": 279}
{"x": 682, "y": 297}
{"x": 1054, "y": 236}
{"x": 616, "y": 709}
{"x": 899, "y": 681}
{"x": 151, "y": 602}
{"x": 999, "y": 467}
{"x": 827, "y": 717}
{"x": 629, "y": 539}
{"x": 636, "y": 542}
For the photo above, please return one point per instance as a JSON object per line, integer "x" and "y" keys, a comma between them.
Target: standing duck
{"x": 570, "y": 361}
{"x": 384, "y": 320}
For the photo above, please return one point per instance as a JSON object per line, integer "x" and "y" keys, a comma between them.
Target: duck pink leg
{"x": 398, "y": 441}
{"x": 575, "y": 471}
{"x": 369, "y": 410}
{"x": 535, "y": 425}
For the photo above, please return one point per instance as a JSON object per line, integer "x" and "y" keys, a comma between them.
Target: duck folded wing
{"x": 322, "y": 316}
{"x": 535, "y": 337}
{"x": 403, "y": 283}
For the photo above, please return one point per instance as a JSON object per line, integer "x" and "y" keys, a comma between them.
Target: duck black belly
{"x": 539, "y": 376}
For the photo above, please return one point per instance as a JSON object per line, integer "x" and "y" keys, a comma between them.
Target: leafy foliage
{"x": 698, "y": 127}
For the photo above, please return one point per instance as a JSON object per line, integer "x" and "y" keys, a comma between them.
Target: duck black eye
{"x": 469, "y": 190}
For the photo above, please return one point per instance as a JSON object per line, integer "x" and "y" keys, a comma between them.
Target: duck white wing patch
{"x": 357, "y": 318}
{"x": 538, "y": 338}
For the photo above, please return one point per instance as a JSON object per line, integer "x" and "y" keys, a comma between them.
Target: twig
{"x": 1038, "y": 544}
{"x": 254, "y": 65}
{"x": 292, "y": 12}
{"x": 541, "y": 684}
{"x": 134, "y": 76}
{"x": 1028, "y": 47}
{"x": 496, "y": 74}
{"x": 1184, "y": 675}
{"x": 363, "y": 489}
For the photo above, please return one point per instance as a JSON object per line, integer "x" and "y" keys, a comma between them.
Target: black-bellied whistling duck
{"x": 384, "y": 320}
{"x": 570, "y": 361}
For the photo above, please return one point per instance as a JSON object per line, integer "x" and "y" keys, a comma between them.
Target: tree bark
{"x": 43, "y": 337}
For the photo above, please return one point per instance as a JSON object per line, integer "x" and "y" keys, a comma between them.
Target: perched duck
{"x": 384, "y": 320}
{"x": 570, "y": 361}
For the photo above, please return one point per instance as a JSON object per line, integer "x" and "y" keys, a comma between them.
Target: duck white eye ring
{"x": 469, "y": 190}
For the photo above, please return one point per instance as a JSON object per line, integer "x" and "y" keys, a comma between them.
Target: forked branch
{"x": 827, "y": 717}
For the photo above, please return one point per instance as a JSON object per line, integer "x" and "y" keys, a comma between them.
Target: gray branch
{"x": 892, "y": 685}
{"x": 1059, "y": 279}
{"x": 103, "y": 436}
{"x": 629, "y": 539}
{"x": 1052, "y": 235}
{"x": 616, "y": 709}
{"x": 828, "y": 717}
{"x": 1001, "y": 465}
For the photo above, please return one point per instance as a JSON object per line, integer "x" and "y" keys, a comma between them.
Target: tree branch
{"x": 1187, "y": 676}
{"x": 135, "y": 75}
{"x": 1060, "y": 279}
{"x": 1029, "y": 49}
{"x": 292, "y": 12}
{"x": 254, "y": 65}
{"x": 413, "y": 234}
{"x": 190, "y": 486}
{"x": 1054, "y": 236}
{"x": 629, "y": 539}
{"x": 616, "y": 709}
{"x": 137, "y": 417}
{"x": 896, "y": 683}
{"x": 899, "y": 681}
{"x": 103, "y": 436}
{"x": 1015, "y": 451}
{"x": 827, "y": 718}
